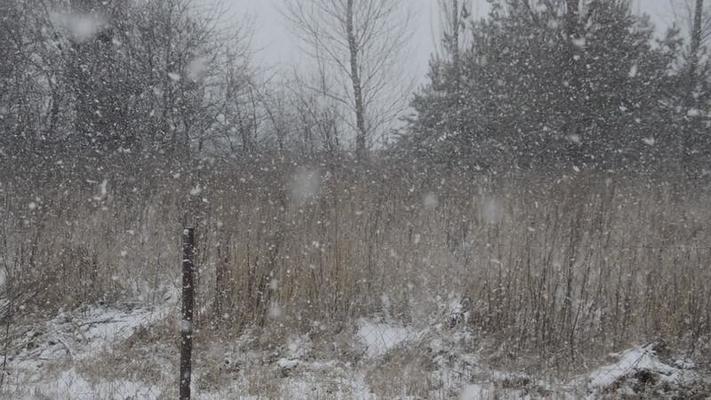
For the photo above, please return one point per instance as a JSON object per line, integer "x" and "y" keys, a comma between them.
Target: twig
{"x": 100, "y": 321}
{"x": 66, "y": 346}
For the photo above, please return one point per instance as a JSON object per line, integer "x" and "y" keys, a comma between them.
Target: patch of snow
{"x": 71, "y": 338}
{"x": 298, "y": 346}
{"x": 102, "y": 187}
{"x": 72, "y": 385}
{"x": 574, "y": 138}
{"x": 379, "y": 338}
{"x": 77, "y": 336}
{"x": 650, "y": 141}
{"x": 641, "y": 358}
{"x": 633, "y": 71}
{"x": 685, "y": 364}
{"x": 474, "y": 392}
{"x": 286, "y": 363}
{"x": 580, "y": 43}
{"x": 360, "y": 389}
{"x": 693, "y": 112}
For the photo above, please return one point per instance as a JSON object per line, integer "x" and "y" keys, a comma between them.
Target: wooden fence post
{"x": 186, "y": 323}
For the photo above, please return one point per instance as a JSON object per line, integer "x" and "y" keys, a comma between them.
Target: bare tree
{"x": 360, "y": 42}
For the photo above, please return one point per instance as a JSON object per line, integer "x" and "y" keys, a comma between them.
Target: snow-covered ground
{"x": 68, "y": 357}
{"x": 642, "y": 358}
{"x": 379, "y": 338}
{"x": 641, "y": 370}
{"x": 45, "y": 357}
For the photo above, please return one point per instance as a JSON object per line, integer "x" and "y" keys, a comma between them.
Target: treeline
{"x": 121, "y": 122}
{"x": 89, "y": 86}
{"x": 141, "y": 89}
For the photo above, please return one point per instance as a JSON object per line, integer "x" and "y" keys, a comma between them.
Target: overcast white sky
{"x": 275, "y": 45}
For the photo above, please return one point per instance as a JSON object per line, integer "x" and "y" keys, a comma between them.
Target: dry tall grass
{"x": 566, "y": 267}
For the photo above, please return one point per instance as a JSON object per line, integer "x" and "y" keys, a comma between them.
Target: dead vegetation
{"x": 565, "y": 268}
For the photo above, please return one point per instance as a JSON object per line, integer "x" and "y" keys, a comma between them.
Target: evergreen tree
{"x": 541, "y": 87}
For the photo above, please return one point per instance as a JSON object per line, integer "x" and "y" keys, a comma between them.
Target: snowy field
{"x": 527, "y": 219}
{"x": 127, "y": 353}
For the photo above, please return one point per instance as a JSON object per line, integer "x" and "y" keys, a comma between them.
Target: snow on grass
{"x": 106, "y": 326}
{"x": 379, "y": 338}
{"x": 313, "y": 380}
{"x": 286, "y": 363}
{"x": 72, "y": 385}
{"x": 360, "y": 390}
{"x": 607, "y": 375}
{"x": 641, "y": 358}
{"x": 49, "y": 365}
{"x": 80, "y": 335}
{"x": 67, "y": 340}
{"x": 474, "y": 392}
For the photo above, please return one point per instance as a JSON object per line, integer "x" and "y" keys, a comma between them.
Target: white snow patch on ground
{"x": 360, "y": 389}
{"x": 631, "y": 361}
{"x": 78, "y": 336}
{"x": 379, "y": 338}
{"x": 72, "y": 385}
{"x": 287, "y": 363}
{"x": 635, "y": 362}
{"x": 48, "y": 365}
{"x": 474, "y": 392}
{"x": 70, "y": 338}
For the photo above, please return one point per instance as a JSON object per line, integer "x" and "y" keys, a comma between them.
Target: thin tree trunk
{"x": 455, "y": 36}
{"x": 694, "y": 51}
{"x": 692, "y": 80}
{"x": 357, "y": 86}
